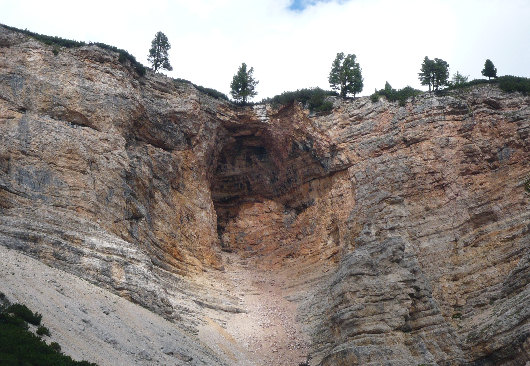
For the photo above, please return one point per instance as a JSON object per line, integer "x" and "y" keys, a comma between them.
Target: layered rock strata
{"x": 386, "y": 234}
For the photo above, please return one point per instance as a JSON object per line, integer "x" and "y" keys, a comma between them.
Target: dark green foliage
{"x": 18, "y": 346}
{"x": 123, "y": 57}
{"x": 345, "y": 75}
{"x": 55, "y": 346}
{"x": 457, "y": 316}
{"x": 392, "y": 95}
{"x": 42, "y": 330}
{"x": 49, "y": 40}
{"x": 314, "y": 99}
{"x": 506, "y": 83}
{"x": 158, "y": 56}
{"x": 211, "y": 92}
{"x": 243, "y": 85}
{"x": 434, "y": 73}
{"x": 527, "y": 185}
{"x": 22, "y": 312}
{"x": 489, "y": 71}
{"x": 511, "y": 84}
{"x": 208, "y": 91}
{"x": 470, "y": 83}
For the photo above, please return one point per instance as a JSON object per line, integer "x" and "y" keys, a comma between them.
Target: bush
{"x": 511, "y": 84}
{"x": 18, "y": 346}
{"x": 208, "y": 91}
{"x": 68, "y": 43}
{"x": 506, "y": 83}
{"x": 22, "y": 312}
{"x": 55, "y": 346}
{"x": 313, "y": 98}
{"x": 42, "y": 330}
{"x": 392, "y": 95}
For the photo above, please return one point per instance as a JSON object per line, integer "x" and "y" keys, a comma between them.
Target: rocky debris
{"x": 376, "y": 233}
{"x": 93, "y": 324}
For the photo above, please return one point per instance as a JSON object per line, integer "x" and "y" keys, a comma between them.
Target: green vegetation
{"x": 123, "y": 57}
{"x": 158, "y": 56}
{"x": 434, "y": 73}
{"x": 243, "y": 85}
{"x": 42, "y": 330}
{"x": 19, "y": 346}
{"x": 457, "y": 316}
{"x": 489, "y": 71}
{"x": 512, "y": 84}
{"x": 506, "y": 83}
{"x": 208, "y": 91}
{"x": 527, "y": 185}
{"x": 314, "y": 99}
{"x": 458, "y": 79}
{"x": 392, "y": 95}
{"x": 345, "y": 75}
{"x": 22, "y": 312}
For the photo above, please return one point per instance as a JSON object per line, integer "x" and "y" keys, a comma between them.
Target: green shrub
{"x": 313, "y": 98}
{"x": 68, "y": 43}
{"x": 22, "y": 312}
{"x": 527, "y": 185}
{"x": 42, "y": 330}
{"x": 393, "y": 95}
{"x": 507, "y": 83}
{"x": 457, "y": 316}
{"x": 55, "y": 346}
{"x": 208, "y": 91}
{"x": 511, "y": 84}
{"x": 19, "y": 346}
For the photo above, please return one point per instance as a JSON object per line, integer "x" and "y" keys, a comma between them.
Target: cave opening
{"x": 261, "y": 186}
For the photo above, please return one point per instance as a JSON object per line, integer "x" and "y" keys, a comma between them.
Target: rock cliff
{"x": 376, "y": 234}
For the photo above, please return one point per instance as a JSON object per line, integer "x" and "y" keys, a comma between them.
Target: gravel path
{"x": 267, "y": 333}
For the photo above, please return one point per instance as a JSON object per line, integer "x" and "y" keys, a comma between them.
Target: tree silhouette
{"x": 345, "y": 75}
{"x": 434, "y": 73}
{"x": 489, "y": 70}
{"x": 243, "y": 84}
{"x": 158, "y": 56}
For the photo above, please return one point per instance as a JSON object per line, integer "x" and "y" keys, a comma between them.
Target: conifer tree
{"x": 345, "y": 75}
{"x": 459, "y": 79}
{"x": 434, "y": 73}
{"x": 158, "y": 56}
{"x": 489, "y": 70}
{"x": 243, "y": 85}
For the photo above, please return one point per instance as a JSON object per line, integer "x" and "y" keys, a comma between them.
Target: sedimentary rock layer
{"x": 385, "y": 233}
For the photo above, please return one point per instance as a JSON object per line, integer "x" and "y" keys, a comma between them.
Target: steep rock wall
{"x": 401, "y": 232}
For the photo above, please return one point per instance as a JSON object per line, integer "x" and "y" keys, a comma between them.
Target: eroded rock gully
{"x": 376, "y": 234}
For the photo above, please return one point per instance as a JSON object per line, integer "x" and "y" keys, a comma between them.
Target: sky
{"x": 291, "y": 44}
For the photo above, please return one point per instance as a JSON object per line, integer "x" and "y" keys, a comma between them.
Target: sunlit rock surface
{"x": 376, "y": 234}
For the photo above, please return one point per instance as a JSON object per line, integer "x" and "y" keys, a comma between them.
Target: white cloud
{"x": 294, "y": 49}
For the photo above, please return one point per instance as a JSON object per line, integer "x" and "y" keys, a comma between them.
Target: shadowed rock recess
{"x": 376, "y": 234}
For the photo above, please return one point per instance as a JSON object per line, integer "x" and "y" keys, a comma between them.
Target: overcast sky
{"x": 292, "y": 43}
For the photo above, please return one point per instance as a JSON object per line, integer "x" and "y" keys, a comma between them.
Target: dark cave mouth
{"x": 252, "y": 168}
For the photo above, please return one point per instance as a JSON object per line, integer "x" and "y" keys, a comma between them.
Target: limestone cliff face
{"x": 401, "y": 233}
